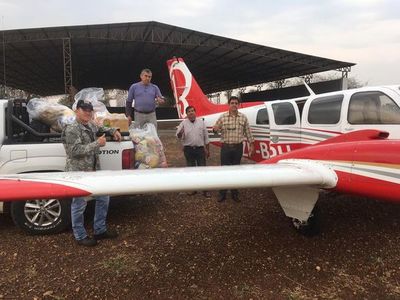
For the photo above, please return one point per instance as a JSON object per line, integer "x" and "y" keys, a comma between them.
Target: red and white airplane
{"x": 346, "y": 131}
{"x": 322, "y": 142}
{"x": 284, "y": 125}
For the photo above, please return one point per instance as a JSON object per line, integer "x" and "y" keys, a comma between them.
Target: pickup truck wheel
{"x": 309, "y": 227}
{"x": 42, "y": 216}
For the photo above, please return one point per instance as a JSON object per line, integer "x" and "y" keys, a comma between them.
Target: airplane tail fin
{"x": 186, "y": 90}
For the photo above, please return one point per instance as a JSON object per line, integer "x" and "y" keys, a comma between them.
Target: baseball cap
{"x": 85, "y": 105}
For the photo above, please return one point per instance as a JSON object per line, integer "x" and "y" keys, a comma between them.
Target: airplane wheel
{"x": 309, "y": 227}
{"x": 42, "y": 216}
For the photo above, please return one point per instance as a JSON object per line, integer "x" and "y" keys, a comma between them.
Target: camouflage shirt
{"x": 81, "y": 146}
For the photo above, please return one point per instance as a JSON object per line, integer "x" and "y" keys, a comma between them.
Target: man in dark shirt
{"x": 146, "y": 95}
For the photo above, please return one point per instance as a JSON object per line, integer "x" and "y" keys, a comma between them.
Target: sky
{"x": 365, "y": 32}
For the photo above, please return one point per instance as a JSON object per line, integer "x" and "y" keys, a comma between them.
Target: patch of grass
{"x": 120, "y": 263}
{"x": 297, "y": 293}
{"x": 246, "y": 291}
{"x": 31, "y": 272}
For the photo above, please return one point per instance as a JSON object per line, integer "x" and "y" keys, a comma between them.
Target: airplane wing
{"x": 289, "y": 174}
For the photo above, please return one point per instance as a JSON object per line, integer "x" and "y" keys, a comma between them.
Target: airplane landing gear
{"x": 309, "y": 227}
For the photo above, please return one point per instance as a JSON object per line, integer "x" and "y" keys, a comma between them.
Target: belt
{"x": 194, "y": 147}
{"x": 231, "y": 145}
{"x": 144, "y": 112}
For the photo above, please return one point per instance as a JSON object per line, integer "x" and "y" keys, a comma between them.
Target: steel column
{"x": 67, "y": 55}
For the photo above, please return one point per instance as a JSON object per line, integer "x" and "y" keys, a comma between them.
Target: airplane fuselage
{"x": 286, "y": 125}
{"x": 282, "y": 126}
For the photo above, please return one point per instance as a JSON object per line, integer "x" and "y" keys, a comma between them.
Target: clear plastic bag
{"x": 52, "y": 114}
{"x": 94, "y": 96}
{"x": 101, "y": 116}
{"x": 149, "y": 151}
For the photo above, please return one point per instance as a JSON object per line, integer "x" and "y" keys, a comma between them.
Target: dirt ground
{"x": 176, "y": 246}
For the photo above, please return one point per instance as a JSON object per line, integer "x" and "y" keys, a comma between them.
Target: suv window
{"x": 284, "y": 113}
{"x": 373, "y": 108}
{"x": 325, "y": 110}
{"x": 262, "y": 117}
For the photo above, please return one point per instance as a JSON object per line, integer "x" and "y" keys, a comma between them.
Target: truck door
{"x": 285, "y": 133}
{"x": 374, "y": 109}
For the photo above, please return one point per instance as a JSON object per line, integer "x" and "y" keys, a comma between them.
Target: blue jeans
{"x": 78, "y": 207}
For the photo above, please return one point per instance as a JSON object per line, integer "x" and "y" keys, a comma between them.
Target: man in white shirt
{"x": 193, "y": 134}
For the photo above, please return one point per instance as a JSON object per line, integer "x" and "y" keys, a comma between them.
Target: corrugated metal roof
{"x": 112, "y": 55}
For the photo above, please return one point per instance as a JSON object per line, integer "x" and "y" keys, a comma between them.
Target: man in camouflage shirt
{"x": 82, "y": 147}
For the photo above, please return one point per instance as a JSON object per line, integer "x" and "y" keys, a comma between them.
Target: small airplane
{"x": 302, "y": 157}
{"x": 281, "y": 126}
{"x": 346, "y": 131}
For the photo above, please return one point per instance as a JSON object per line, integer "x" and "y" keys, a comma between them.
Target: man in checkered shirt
{"x": 234, "y": 128}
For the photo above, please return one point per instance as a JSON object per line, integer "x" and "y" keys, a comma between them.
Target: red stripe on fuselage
{"x": 15, "y": 190}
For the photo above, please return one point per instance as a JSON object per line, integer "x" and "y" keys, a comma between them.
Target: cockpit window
{"x": 262, "y": 117}
{"x": 325, "y": 110}
{"x": 284, "y": 113}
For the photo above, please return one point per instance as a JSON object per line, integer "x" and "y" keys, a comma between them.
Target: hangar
{"x": 47, "y": 61}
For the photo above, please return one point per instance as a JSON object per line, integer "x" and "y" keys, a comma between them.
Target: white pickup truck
{"x": 24, "y": 148}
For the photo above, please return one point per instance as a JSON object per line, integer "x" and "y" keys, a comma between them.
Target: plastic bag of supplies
{"x": 101, "y": 116}
{"x": 94, "y": 96}
{"x": 52, "y": 114}
{"x": 149, "y": 151}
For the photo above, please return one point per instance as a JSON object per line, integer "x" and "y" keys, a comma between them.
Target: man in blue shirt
{"x": 146, "y": 96}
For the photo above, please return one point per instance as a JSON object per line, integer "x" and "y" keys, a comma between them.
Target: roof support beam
{"x": 345, "y": 71}
{"x": 67, "y": 55}
{"x": 3, "y": 92}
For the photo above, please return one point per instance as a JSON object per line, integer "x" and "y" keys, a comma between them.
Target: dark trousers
{"x": 195, "y": 156}
{"x": 231, "y": 154}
